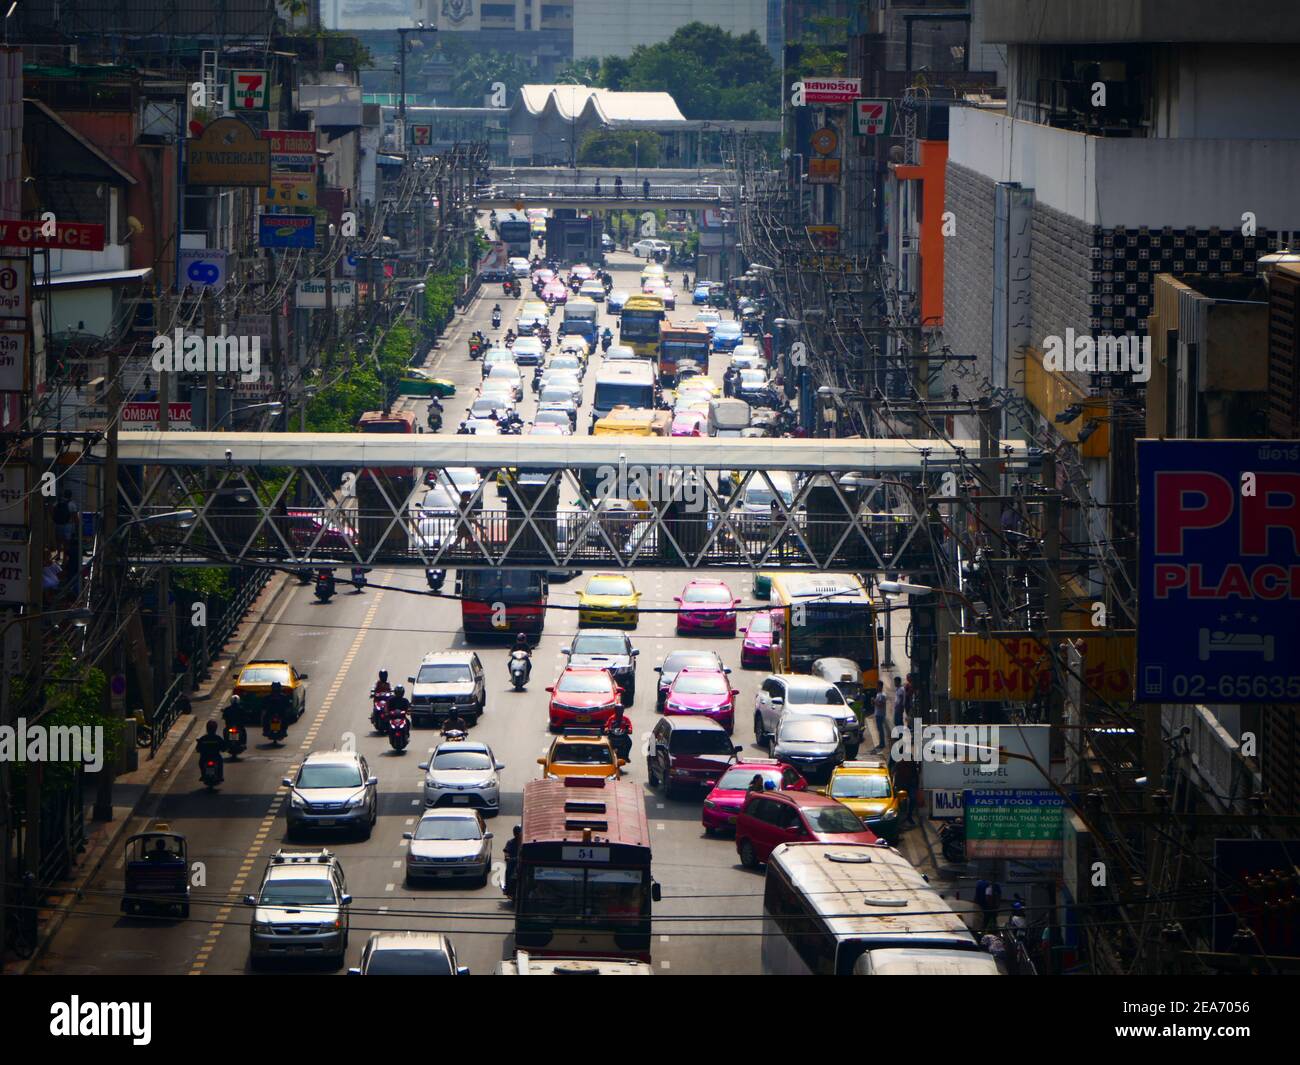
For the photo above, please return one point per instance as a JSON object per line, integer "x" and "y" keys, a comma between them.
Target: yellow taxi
{"x": 652, "y": 270}
{"x": 865, "y": 788}
{"x": 253, "y": 685}
{"x": 707, "y": 385}
{"x": 581, "y": 756}
{"x": 609, "y": 599}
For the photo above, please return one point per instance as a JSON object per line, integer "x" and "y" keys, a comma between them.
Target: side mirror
{"x": 354, "y": 972}
{"x": 660, "y": 669}
{"x": 880, "y": 632}
{"x": 373, "y": 782}
{"x": 677, "y": 599}
{"x": 346, "y": 900}
{"x": 410, "y": 680}
{"x": 656, "y": 892}
{"x": 565, "y": 651}
{"x": 902, "y": 796}
{"x": 487, "y": 835}
{"x": 424, "y": 766}
{"x": 738, "y": 750}
{"x": 250, "y": 900}
{"x": 726, "y": 669}
{"x": 462, "y": 970}
{"x": 287, "y": 782}
{"x": 635, "y": 651}
{"x": 541, "y": 761}
{"x": 302, "y": 676}
{"x": 735, "y": 692}
{"x": 776, "y": 700}
{"x": 408, "y": 835}
{"x": 551, "y": 688}
{"x": 622, "y": 762}
{"x": 500, "y": 765}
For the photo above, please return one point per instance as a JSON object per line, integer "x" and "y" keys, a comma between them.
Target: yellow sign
{"x": 1016, "y": 668}
{"x": 228, "y": 153}
{"x": 290, "y": 190}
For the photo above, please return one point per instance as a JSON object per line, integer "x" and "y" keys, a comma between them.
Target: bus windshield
{"x": 501, "y": 586}
{"x": 555, "y": 893}
{"x": 640, "y": 325}
{"x": 619, "y": 394}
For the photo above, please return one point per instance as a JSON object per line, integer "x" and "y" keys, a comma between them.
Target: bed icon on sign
{"x": 1220, "y": 642}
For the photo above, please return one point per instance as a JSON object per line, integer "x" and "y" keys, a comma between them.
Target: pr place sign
{"x": 1219, "y": 587}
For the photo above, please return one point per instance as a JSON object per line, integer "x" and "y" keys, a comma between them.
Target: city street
{"x": 390, "y": 625}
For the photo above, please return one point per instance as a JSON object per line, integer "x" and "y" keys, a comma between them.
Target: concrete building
{"x": 601, "y": 28}
{"x": 539, "y": 31}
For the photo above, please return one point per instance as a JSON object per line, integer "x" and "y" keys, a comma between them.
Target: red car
{"x": 723, "y": 803}
{"x": 706, "y": 605}
{"x": 584, "y": 697}
{"x": 770, "y": 818}
{"x": 707, "y": 693}
{"x": 755, "y": 648}
{"x": 305, "y": 532}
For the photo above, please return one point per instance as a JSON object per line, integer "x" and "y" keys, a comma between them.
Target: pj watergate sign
{"x": 1219, "y": 571}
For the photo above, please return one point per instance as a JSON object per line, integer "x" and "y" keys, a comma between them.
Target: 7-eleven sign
{"x": 870, "y": 117}
{"x": 248, "y": 90}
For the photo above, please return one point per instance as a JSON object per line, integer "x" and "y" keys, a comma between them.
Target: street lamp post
{"x": 275, "y": 406}
{"x": 402, "y": 31}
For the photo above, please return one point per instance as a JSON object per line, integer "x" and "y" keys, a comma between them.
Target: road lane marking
{"x": 277, "y": 802}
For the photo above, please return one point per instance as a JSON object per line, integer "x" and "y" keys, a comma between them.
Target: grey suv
{"x": 800, "y": 693}
{"x": 301, "y": 909}
{"x": 332, "y": 789}
{"x": 608, "y": 649}
{"x": 447, "y": 682}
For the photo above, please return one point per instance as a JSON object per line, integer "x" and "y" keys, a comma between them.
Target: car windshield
{"x": 265, "y": 675}
{"x": 707, "y": 593}
{"x": 833, "y": 819}
{"x": 692, "y": 741}
{"x": 555, "y": 417}
{"x": 297, "y": 893}
{"x": 599, "y": 645}
{"x": 740, "y": 779}
{"x": 860, "y": 786}
{"x": 329, "y": 776}
{"x": 691, "y": 683}
{"x": 444, "y": 673}
{"x": 392, "y": 962}
{"x": 827, "y": 696}
{"x": 609, "y": 586}
{"x": 761, "y": 622}
{"x": 448, "y": 828}
{"x": 584, "y": 683}
{"x": 450, "y": 760}
{"x": 583, "y": 754}
{"x": 808, "y": 730}
{"x": 556, "y": 395}
{"x": 679, "y": 660}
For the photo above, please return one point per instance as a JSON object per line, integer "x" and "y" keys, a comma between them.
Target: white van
{"x": 757, "y": 500}
{"x": 727, "y": 417}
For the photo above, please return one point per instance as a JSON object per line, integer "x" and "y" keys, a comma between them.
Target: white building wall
{"x": 601, "y": 28}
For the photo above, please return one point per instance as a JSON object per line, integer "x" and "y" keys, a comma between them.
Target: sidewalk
{"x": 130, "y": 790}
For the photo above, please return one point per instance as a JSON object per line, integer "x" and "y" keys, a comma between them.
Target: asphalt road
{"x": 706, "y": 922}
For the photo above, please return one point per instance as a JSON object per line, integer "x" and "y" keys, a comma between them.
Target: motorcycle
{"x": 236, "y": 740}
{"x": 605, "y": 342}
{"x": 399, "y": 732}
{"x": 434, "y": 420}
{"x": 496, "y": 319}
{"x": 619, "y": 731}
{"x": 435, "y": 577}
{"x": 275, "y": 729}
{"x": 521, "y": 668}
{"x": 454, "y": 734}
{"x": 952, "y": 838}
{"x": 378, "y": 706}
{"x": 324, "y": 587}
{"x": 210, "y": 772}
{"x": 358, "y": 577}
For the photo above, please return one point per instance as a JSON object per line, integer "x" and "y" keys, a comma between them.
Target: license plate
{"x": 460, "y": 798}
{"x": 731, "y": 820}
{"x": 325, "y": 821}
{"x": 584, "y": 717}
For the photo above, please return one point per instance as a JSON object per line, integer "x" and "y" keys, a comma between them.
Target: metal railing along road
{"x": 587, "y": 190}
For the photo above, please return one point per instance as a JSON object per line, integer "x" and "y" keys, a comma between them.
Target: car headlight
{"x": 465, "y": 698}
{"x": 710, "y": 804}
{"x": 356, "y": 801}
{"x": 263, "y": 927}
{"x": 297, "y": 801}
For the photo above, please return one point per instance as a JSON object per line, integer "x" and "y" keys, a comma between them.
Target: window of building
{"x": 499, "y": 11}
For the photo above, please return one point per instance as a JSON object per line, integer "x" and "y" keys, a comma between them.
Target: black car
{"x": 679, "y": 660}
{"x": 608, "y": 649}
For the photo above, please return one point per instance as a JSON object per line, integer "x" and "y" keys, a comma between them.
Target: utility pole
{"x": 1052, "y": 597}
{"x": 167, "y": 654}
{"x": 35, "y": 635}
{"x": 103, "y": 809}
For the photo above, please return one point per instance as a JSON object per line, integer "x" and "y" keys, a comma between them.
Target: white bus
{"x": 825, "y": 906}
{"x": 626, "y": 383}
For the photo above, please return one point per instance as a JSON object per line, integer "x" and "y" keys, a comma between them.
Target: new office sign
{"x": 1219, "y": 580}
{"x": 72, "y": 236}
{"x": 311, "y": 294}
{"x": 228, "y": 153}
{"x": 286, "y": 231}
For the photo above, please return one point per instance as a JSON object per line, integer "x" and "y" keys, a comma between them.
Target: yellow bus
{"x": 823, "y": 615}
{"x": 638, "y": 326}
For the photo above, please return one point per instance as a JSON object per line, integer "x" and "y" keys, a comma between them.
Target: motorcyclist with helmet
{"x": 396, "y": 705}
{"x": 277, "y": 703}
{"x": 211, "y": 746}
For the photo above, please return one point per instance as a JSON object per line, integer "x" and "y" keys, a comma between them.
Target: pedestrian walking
{"x": 598, "y": 186}
{"x": 645, "y": 187}
{"x": 618, "y": 186}
{"x": 879, "y": 706}
{"x": 900, "y": 703}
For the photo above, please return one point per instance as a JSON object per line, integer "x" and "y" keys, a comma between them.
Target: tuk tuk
{"x": 718, "y": 295}
{"x": 157, "y": 874}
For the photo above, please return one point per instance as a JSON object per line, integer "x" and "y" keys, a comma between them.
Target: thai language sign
{"x": 1014, "y": 824}
{"x": 1218, "y": 571}
{"x": 1015, "y": 669}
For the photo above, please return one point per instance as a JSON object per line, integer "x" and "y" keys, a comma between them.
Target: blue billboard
{"x": 1219, "y": 571}
{"x": 286, "y": 231}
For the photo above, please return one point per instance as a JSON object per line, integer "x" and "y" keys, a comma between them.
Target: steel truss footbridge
{"x": 289, "y": 499}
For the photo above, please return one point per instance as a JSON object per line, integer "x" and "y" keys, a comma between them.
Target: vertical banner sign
{"x": 13, "y": 288}
{"x": 248, "y": 90}
{"x": 13, "y": 360}
{"x": 1219, "y": 592}
{"x": 870, "y": 118}
{"x": 421, "y": 136}
{"x": 13, "y": 495}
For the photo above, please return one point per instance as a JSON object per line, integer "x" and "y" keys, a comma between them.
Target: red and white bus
{"x": 501, "y": 602}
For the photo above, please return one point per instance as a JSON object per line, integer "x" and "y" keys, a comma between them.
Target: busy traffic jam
{"x": 503, "y": 771}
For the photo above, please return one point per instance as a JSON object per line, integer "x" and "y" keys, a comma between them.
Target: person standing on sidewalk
{"x": 909, "y": 704}
{"x": 900, "y": 703}
{"x": 879, "y": 707}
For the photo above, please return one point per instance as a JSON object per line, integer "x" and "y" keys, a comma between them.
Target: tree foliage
{"x": 473, "y": 73}
{"x": 621, "y": 148}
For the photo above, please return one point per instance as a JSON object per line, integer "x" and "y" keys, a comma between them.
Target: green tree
{"x": 620, "y": 148}
{"x": 473, "y": 78}
{"x": 580, "y": 72}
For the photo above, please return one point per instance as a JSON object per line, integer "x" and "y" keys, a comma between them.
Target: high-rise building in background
{"x": 601, "y": 28}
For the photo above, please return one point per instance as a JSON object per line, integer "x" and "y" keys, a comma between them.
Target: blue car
{"x": 701, "y": 294}
{"x": 727, "y": 336}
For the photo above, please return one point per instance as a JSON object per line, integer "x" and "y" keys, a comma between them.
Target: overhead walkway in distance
{"x": 544, "y": 503}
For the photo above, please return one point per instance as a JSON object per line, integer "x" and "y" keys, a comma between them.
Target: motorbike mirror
{"x": 287, "y": 782}
{"x": 250, "y": 900}
{"x": 408, "y": 835}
